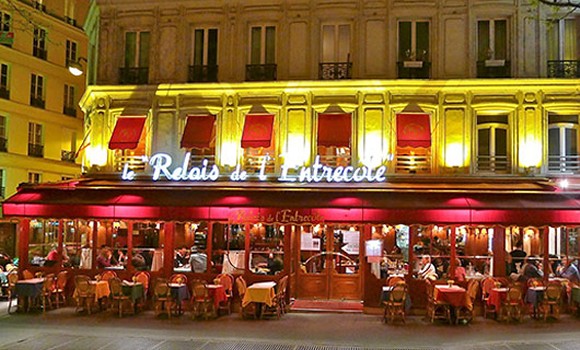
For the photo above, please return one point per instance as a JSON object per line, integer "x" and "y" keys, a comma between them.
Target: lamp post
{"x": 75, "y": 68}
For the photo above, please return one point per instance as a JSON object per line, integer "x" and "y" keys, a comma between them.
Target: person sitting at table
{"x": 459, "y": 272}
{"x": 197, "y": 260}
{"x": 181, "y": 257}
{"x": 569, "y": 271}
{"x": 105, "y": 258}
{"x": 138, "y": 261}
{"x": 518, "y": 255}
{"x": 427, "y": 270}
{"x": 531, "y": 269}
{"x": 52, "y": 257}
{"x": 120, "y": 257}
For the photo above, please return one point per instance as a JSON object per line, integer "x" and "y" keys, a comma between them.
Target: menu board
{"x": 307, "y": 242}
{"x": 351, "y": 240}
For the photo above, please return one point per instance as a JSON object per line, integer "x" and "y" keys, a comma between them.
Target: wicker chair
{"x": 108, "y": 275}
{"x": 27, "y": 275}
{"x": 250, "y": 309}
{"x": 467, "y": 312}
{"x": 395, "y": 305}
{"x": 201, "y": 301}
{"x": 513, "y": 304}
{"x": 143, "y": 277}
{"x": 227, "y": 281}
{"x": 283, "y": 287}
{"x": 117, "y": 296}
{"x": 436, "y": 309}
{"x": 178, "y": 278}
{"x": 275, "y": 310}
{"x": 550, "y": 305}
{"x": 486, "y": 286}
{"x": 46, "y": 294}
{"x": 162, "y": 298}
{"x": 393, "y": 280}
{"x": 84, "y": 294}
{"x": 12, "y": 279}
{"x": 59, "y": 288}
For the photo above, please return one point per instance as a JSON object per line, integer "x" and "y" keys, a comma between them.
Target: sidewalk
{"x": 63, "y": 329}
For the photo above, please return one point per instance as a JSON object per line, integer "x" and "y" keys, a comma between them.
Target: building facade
{"x": 40, "y": 121}
{"x": 332, "y": 141}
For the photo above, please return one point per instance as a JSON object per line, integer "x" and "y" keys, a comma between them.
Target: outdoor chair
{"x": 201, "y": 302}
{"x": 436, "y": 309}
{"x": 162, "y": 298}
{"x": 59, "y": 288}
{"x": 117, "y": 296}
{"x": 46, "y": 294}
{"x": 84, "y": 294}
{"x": 250, "y": 309}
{"x": 227, "y": 281}
{"x": 395, "y": 305}
{"x": 513, "y": 304}
{"x": 467, "y": 312}
{"x": 550, "y": 305}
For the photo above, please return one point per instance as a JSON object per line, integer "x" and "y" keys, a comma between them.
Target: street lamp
{"x": 75, "y": 68}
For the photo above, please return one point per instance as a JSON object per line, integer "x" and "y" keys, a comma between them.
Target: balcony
{"x": 4, "y": 92}
{"x": 564, "y": 164}
{"x": 71, "y": 111}
{"x": 261, "y": 72}
{"x": 413, "y": 160}
{"x": 563, "y": 69}
{"x": 36, "y": 102}
{"x": 414, "y": 70}
{"x": 71, "y": 21}
{"x": 492, "y": 164}
{"x": 136, "y": 76}
{"x": 3, "y": 144}
{"x": 134, "y": 162}
{"x": 2, "y": 192}
{"x": 493, "y": 69}
{"x": 35, "y": 150}
{"x": 202, "y": 74}
{"x": 335, "y": 70}
{"x": 39, "y": 52}
{"x": 39, "y": 6}
{"x": 67, "y": 156}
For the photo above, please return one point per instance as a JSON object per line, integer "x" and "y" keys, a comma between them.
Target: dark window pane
{"x": 404, "y": 41}
{"x": 130, "y": 49}
{"x": 144, "y": 49}
{"x": 501, "y": 40}
{"x": 554, "y": 142}
{"x": 198, "y": 49}
{"x": 482, "y": 40}
{"x": 571, "y": 142}
{"x": 270, "y": 45}
{"x": 255, "y": 53}
{"x": 422, "y": 39}
{"x": 212, "y": 47}
{"x": 483, "y": 142}
{"x": 501, "y": 142}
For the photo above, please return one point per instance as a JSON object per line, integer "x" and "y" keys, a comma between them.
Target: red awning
{"x": 127, "y": 132}
{"x": 258, "y": 130}
{"x": 334, "y": 130}
{"x": 413, "y": 130}
{"x": 198, "y": 131}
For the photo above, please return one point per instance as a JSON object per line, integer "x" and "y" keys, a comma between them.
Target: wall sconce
{"x": 75, "y": 68}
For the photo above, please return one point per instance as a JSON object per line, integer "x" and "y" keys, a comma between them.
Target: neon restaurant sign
{"x": 161, "y": 164}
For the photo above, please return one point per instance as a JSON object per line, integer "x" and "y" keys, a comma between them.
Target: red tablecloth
{"x": 218, "y": 293}
{"x": 454, "y": 295}
{"x": 496, "y": 297}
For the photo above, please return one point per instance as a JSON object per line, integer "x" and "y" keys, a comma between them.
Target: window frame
{"x": 263, "y": 44}
{"x": 69, "y": 96}
{"x": 5, "y": 21}
{"x": 37, "y": 83}
{"x": 413, "y": 45}
{"x": 137, "y": 53}
{"x": 336, "y": 42}
{"x": 35, "y": 176}
{"x": 492, "y": 126}
{"x": 71, "y": 51}
{"x": 35, "y": 133}
{"x": 492, "y": 38}
{"x": 4, "y": 76}
{"x": 39, "y": 40}
{"x": 563, "y": 126}
{"x": 205, "y": 46}
{"x": 560, "y": 25}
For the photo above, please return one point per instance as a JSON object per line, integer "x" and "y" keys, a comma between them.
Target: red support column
{"x": 546, "y": 244}
{"x": 130, "y": 267}
{"x": 24, "y": 238}
{"x": 169, "y": 248}
{"x": 94, "y": 242}
{"x": 499, "y": 253}
{"x": 247, "y": 249}
{"x": 452, "y": 263}
{"x": 209, "y": 248}
{"x": 60, "y": 240}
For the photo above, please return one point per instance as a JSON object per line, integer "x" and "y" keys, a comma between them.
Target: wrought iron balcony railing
{"x": 493, "y": 69}
{"x": 3, "y": 144}
{"x": 69, "y": 110}
{"x": 39, "y": 52}
{"x": 134, "y": 162}
{"x": 335, "y": 160}
{"x": 67, "y": 156}
{"x": 135, "y": 75}
{"x": 335, "y": 70}
{"x": 564, "y": 164}
{"x": 564, "y": 69}
{"x": 4, "y": 92}
{"x": 35, "y": 150}
{"x": 36, "y": 102}
{"x": 261, "y": 72}
{"x": 493, "y": 164}
{"x": 413, "y": 160}
{"x": 202, "y": 74}
{"x": 414, "y": 70}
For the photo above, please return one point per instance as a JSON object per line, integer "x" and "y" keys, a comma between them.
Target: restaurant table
{"x": 575, "y": 297}
{"x": 217, "y": 293}
{"x": 496, "y": 297}
{"x": 135, "y": 291}
{"x": 182, "y": 269}
{"x": 27, "y": 291}
{"x": 387, "y": 291}
{"x": 179, "y": 293}
{"x": 453, "y": 295}
{"x": 260, "y": 293}
{"x": 100, "y": 289}
{"x": 534, "y": 295}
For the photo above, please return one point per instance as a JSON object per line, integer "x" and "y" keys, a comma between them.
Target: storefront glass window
{"x": 111, "y": 245}
{"x": 395, "y": 258}
{"x": 432, "y": 250}
{"x": 473, "y": 247}
{"x": 43, "y": 243}
{"x": 313, "y": 249}
{"x": 190, "y": 243}
{"x": 266, "y": 249}
{"x": 76, "y": 236}
{"x": 346, "y": 249}
{"x": 148, "y": 240}
{"x": 523, "y": 243}
{"x": 228, "y": 244}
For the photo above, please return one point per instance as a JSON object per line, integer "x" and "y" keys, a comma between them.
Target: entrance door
{"x": 329, "y": 262}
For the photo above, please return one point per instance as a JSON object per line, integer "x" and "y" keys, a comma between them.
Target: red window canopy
{"x": 413, "y": 130}
{"x": 334, "y": 130}
{"x": 198, "y": 131}
{"x": 258, "y": 130}
{"x": 127, "y": 132}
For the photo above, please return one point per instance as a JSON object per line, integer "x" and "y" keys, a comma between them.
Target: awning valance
{"x": 257, "y": 130}
{"x": 413, "y": 130}
{"x": 127, "y": 132}
{"x": 334, "y": 129}
{"x": 198, "y": 131}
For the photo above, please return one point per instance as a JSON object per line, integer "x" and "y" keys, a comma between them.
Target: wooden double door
{"x": 328, "y": 261}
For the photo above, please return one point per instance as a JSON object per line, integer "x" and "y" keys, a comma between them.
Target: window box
{"x": 413, "y": 64}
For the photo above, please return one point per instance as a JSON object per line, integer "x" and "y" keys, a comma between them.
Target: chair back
{"x": 82, "y": 284}
{"x": 227, "y": 281}
{"x": 282, "y": 285}
{"x": 199, "y": 290}
{"x": 553, "y": 292}
{"x": 487, "y": 285}
{"x": 471, "y": 295}
{"x": 116, "y": 286}
{"x": 61, "y": 280}
{"x": 108, "y": 275}
{"x": 161, "y": 289}
{"x": 241, "y": 286}
{"x": 514, "y": 294}
{"x": 12, "y": 279}
{"x": 391, "y": 281}
{"x": 143, "y": 278}
{"x": 398, "y": 294}
{"x": 178, "y": 278}
{"x": 27, "y": 275}
{"x": 48, "y": 284}
{"x": 535, "y": 282}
